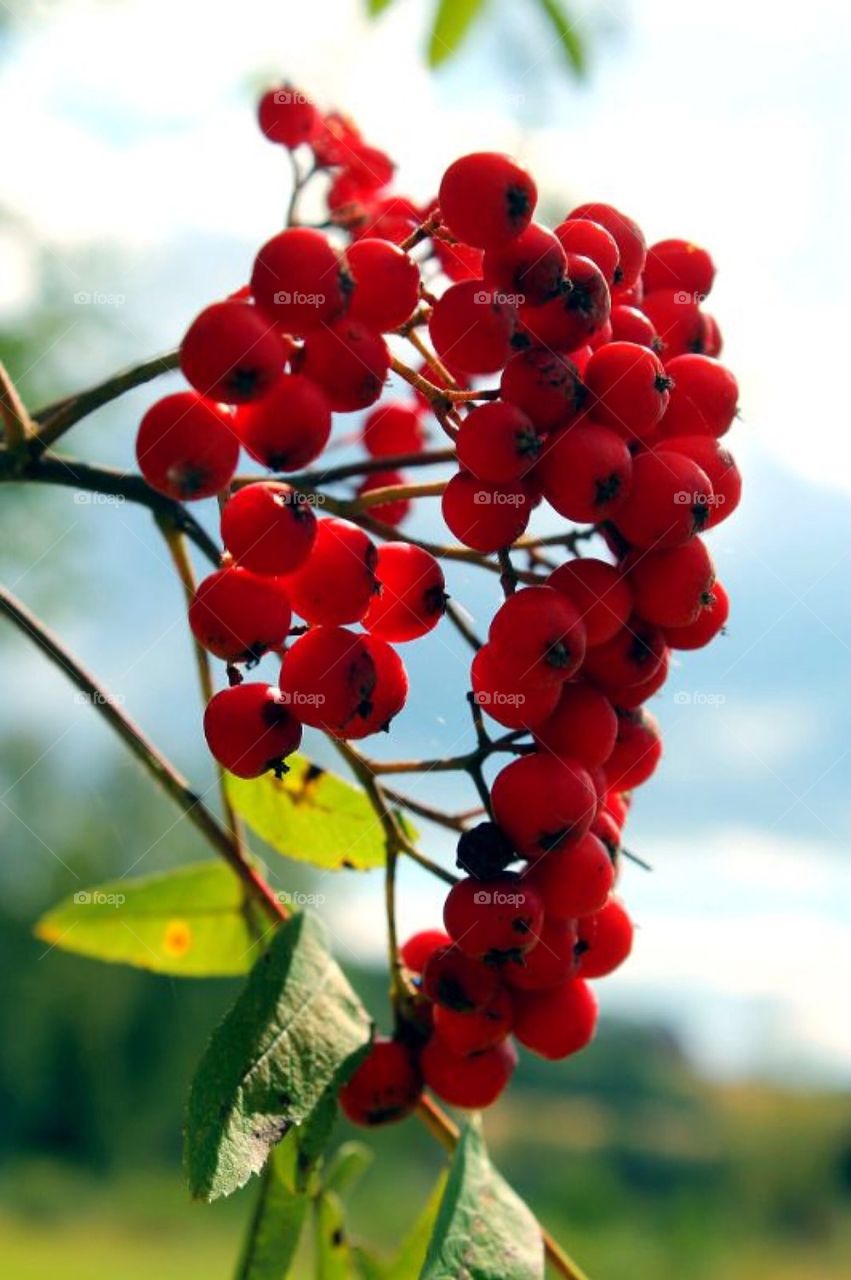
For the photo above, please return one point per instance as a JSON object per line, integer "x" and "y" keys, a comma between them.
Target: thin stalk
{"x": 17, "y": 423}
{"x": 57, "y": 418}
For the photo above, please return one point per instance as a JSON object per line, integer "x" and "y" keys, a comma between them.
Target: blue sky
{"x": 723, "y": 123}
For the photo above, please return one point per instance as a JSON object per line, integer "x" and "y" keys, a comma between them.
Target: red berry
{"x": 628, "y": 387}
{"x": 711, "y": 338}
{"x": 386, "y": 284}
{"x": 637, "y": 752}
{"x": 604, "y": 940}
{"x": 550, "y": 964}
{"x": 529, "y": 268}
{"x": 337, "y": 582}
{"x": 349, "y": 685}
{"x": 557, "y": 1023}
{"x": 671, "y": 587}
{"x": 606, "y": 829}
{"x": 416, "y": 952}
{"x": 186, "y": 447}
{"x": 574, "y": 882}
{"x": 229, "y": 353}
{"x": 289, "y": 427}
{"x": 586, "y": 472}
{"x": 600, "y": 592}
{"x": 336, "y": 141}
{"x": 679, "y": 322}
{"x": 395, "y": 509}
{"x": 491, "y": 918}
{"x": 350, "y": 363}
{"x": 486, "y": 199}
{"x": 678, "y": 264}
{"x": 466, "y": 1033}
{"x": 704, "y": 397}
{"x": 457, "y": 981}
{"x": 458, "y": 261}
{"x": 631, "y": 657}
{"x": 543, "y": 803}
{"x": 412, "y": 596}
{"x": 297, "y": 280}
{"x": 707, "y": 625}
{"x": 497, "y": 442}
{"x": 249, "y": 729}
{"x": 631, "y": 325}
{"x": 268, "y": 527}
{"x": 385, "y": 1087}
{"x": 718, "y": 464}
{"x": 509, "y": 698}
{"x": 288, "y": 117}
{"x": 239, "y": 615}
{"x": 537, "y": 633}
{"x": 485, "y": 516}
{"x": 393, "y": 427}
{"x": 473, "y": 1081}
{"x": 590, "y": 240}
{"x": 578, "y": 311}
{"x": 544, "y": 385}
{"x": 582, "y": 726}
{"x": 670, "y": 501}
{"x": 626, "y": 234}
{"x": 632, "y": 696}
{"x": 471, "y": 327}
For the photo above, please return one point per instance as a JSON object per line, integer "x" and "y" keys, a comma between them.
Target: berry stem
{"x": 17, "y": 424}
{"x": 458, "y": 617}
{"x": 397, "y": 492}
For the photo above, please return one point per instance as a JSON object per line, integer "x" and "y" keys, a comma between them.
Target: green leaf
{"x": 191, "y": 922}
{"x": 334, "y": 1257}
{"x": 411, "y": 1256}
{"x": 484, "y": 1230}
{"x": 275, "y": 1229}
{"x": 568, "y": 36}
{"x": 313, "y": 816}
{"x": 375, "y": 7}
{"x": 452, "y": 21}
{"x": 350, "y": 1163}
{"x": 295, "y": 1032}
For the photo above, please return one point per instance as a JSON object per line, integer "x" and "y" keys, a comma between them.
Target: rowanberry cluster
{"x": 611, "y": 406}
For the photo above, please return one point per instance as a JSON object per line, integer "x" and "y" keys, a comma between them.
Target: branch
{"x": 17, "y": 423}
{"x": 363, "y": 467}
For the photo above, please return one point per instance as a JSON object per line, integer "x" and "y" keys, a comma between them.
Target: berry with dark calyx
{"x": 671, "y": 587}
{"x": 543, "y": 804}
{"x": 268, "y": 527}
{"x": 338, "y": 580}
{"x": 471, "y": 327}
{"x": 483, "y": 851}
{"x": 554, "y": 1024}
{"x": 604, "y": 940}
{"x": 546, "y": 386}
{"x": 670, "y": 501}
{"x": 530, "y": 267}
{"x": 704, "y": 397}
{"x": 411, "y": 598}
{"x": 712, "y": 341}
{"x": 678, "y": 264}
{"x": 574, "y": 882}
{"x": 249, "y": 729}
{"x": 637, "y": 751}
{"x": 485, "y": 516}
{"x": 509, "y": 696}
{"x": 288, "y": 117}
{"x": 627, "y": 698}
{"x": 706, "y": 627}
{"x": 385, "y": 1087}
{"x": 718, "y": 464}
{"x": 590, "y": 240}
{"x": 538, "y": 634}
{"x": 627, "y": 235}
{"x": 466, "y": 1033}
{"x": 550, "y": 964}
{"x": 298, "y": 280}
{"x": 349, "y": 362}
{"x": 459, "y": 982}
{"x": 187, "y": 447}
{"x": 393, "y": 427}
{"x": 679, "y": 322}
{"x": 631, "y": 325}
{"x": 416, "y": 952}
{"x": 607, "y": 830}
{"x": 336, "y": 680}
{"x": 628, "y": 388}
{"x": 586, "y": 472}
{"x": 238, "y": 615}
{"x": 471, "y": 1081}
{"x": 289, "y": 427}
{"x": 583, "y": 726}
{"x": 631, "y": 657}
{"x": 391, "y": 689}
{"x": 394, "y": 510}
{"x": 486, "y": 199}
{"x": 385, "y": 283}
{"x": 497, "y": 442}
{"x": 493, "y": 918}
{"x": 230, "y": 353}
{"x": 578, "y": 311}
{"x": 599, "y": 591}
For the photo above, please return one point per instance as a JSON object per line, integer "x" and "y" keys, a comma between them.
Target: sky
{"x": 139, "y": 184}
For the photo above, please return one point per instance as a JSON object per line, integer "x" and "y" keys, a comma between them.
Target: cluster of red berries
{"x": 611, "y": 406}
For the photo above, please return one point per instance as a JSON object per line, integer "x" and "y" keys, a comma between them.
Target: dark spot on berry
{"x": 607, "y": 489}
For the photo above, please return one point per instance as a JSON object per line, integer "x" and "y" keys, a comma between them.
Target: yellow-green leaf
{"x": 191, "y": 922}
{"x": 375, "y": 7}
{"x": 566, "y": 33}
{"x": 452, "y": 21}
